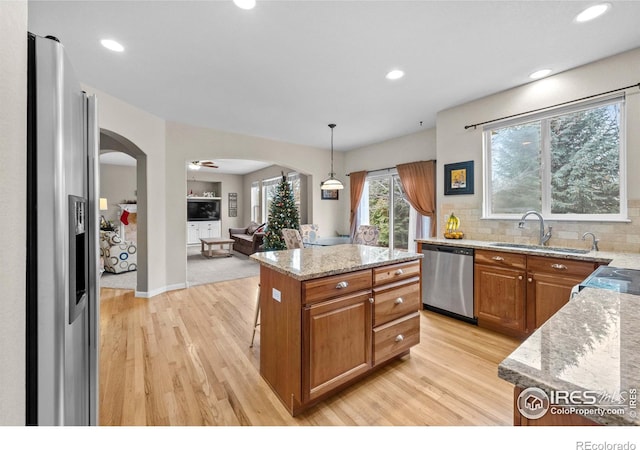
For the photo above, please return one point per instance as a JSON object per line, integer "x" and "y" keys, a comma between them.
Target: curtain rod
{"x": 386, "y": 168}
{"x": 475, "y": 125}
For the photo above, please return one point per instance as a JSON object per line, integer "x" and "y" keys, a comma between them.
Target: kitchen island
{"x": 331, "y": 315}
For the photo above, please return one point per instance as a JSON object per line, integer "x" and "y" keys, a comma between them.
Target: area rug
{"x": 200, "y": 270}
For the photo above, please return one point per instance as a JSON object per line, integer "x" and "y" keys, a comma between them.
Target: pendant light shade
{"x": 332, "y": 183}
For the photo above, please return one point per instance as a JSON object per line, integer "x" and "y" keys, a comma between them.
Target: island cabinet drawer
{"x": 560, "y": 266}
{"x": 394, "y": 272}
{"x": 395, "y": 300}
{"x": 325, "y": 288}
{"x": 395, "y": 337}
{"x": 501, "y": 259}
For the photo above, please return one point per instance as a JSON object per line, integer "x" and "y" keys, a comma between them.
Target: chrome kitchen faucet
{"x": 544, "y": 236}
{"x": 594, "y": 245}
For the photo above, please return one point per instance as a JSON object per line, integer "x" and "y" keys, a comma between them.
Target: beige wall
{"x": 13, "y": 132}
{"x": 456, "y": 144}
{"x": 147, "y": 132}
{"x": 117, "y": 184}
{"x": 420, "y": 146}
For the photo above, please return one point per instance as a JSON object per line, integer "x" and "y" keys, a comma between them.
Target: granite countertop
{"x": 614, "y": 259}
{"x": 315, "y": 262}
{"x": 591, "y": 344}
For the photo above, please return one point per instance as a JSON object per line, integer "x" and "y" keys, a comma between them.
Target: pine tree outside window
{"x": 567, "y": 164}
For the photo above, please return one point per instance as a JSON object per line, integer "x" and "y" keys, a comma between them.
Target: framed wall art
{"x": 326, "y": 194}
{"x": 458, "y": 178}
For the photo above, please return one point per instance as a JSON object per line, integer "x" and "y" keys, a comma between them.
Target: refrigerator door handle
{"x": 93, "y": 186}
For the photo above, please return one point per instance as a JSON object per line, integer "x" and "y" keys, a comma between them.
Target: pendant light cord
{"x": 332, "y": 126}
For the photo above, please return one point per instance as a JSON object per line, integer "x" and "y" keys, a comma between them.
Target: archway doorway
{"x": 114, "y": 142}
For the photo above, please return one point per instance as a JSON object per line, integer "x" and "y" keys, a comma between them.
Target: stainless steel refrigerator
{"x": 62, "y": 327}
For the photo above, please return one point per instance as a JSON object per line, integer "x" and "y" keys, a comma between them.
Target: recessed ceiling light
{"x": 540, "y": 73}
{"x": 245, "y": 4}
{"x": 112, "y": 45}
{"x": 395, "y": 74}
{"x": 592, "y": 12}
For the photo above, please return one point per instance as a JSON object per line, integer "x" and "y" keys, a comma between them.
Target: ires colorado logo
{"x": 533, "y": 403}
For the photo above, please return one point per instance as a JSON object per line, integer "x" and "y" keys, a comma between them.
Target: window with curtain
{"x": 385, "y": 205}
{"x": 567, "y": 163}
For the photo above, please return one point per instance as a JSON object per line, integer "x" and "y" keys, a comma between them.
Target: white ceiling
{"x": 117, "y": 159}
{"x": 286, "y": 69}
{"x": 228, "y": 166}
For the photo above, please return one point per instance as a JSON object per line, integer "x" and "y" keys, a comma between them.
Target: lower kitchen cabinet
{"x": 515, "y": 294}
{"x": 500, "y": 291}
{"x": 500, "y": 299}
{"x": 337, "y": 344}
{"x": 549, "y": 284}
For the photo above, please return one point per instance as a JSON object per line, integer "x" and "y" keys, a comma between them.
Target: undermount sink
{"x": 540, "y": 247}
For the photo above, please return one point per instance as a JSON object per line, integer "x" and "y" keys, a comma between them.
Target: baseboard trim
{"x": 162, "y": 290}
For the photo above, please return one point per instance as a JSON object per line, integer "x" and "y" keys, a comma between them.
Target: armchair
{"x": 118, "y": 256}
{"x": 247, "y": 240}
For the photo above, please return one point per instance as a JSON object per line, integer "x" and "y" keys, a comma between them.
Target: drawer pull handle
{"x": 399, "y": 338}
{"x": 399, "y": 301}
{"x": 399, "y": 272}
{"x": 529, "y": 280}
{"x": 498, "y": 258}
{"x": 371, "y": 300}
{"x": 559, "y": 266}
{"x": 342, "y": 285}
{"x": 519, "y": 277}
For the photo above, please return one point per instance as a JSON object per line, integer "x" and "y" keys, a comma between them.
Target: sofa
{"x": 118, "y": 256}
{"x": 247, "y": 240}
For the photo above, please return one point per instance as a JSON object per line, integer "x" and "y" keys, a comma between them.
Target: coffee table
{"x": 213, "y": 252}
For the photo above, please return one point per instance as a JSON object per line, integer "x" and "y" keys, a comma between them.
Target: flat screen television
{"x": 203, "y": 209}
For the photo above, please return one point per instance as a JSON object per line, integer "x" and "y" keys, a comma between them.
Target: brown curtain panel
{"x": 418, "y": 181}
{"x": 356, "y": 183}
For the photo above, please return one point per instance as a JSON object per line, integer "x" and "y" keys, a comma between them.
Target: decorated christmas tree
{"x": 283, "y": 213}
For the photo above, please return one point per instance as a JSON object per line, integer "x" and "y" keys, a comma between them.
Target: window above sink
{"x": 568, "y": 163}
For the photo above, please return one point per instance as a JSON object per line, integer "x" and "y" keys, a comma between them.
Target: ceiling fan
{"x": 203, "y": 163}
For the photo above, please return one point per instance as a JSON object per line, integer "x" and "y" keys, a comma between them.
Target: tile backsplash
{"x": 613, "y": 236}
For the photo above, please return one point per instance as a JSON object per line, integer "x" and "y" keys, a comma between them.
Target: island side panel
{"x": 280, "y": 335}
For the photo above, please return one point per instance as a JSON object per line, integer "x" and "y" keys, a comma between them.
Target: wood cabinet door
{"x": 337, "y": 343}
{"x": 500, "y": 298}
{"x": 546, "y": 294}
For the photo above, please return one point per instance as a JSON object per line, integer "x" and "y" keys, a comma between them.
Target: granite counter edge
{"x": 326, "y": 273}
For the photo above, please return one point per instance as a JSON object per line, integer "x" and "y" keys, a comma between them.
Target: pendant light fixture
{"x": 332, "y": 183}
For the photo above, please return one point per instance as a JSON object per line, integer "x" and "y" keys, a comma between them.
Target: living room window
{"x": 255, "y": 202}
{"x": 567, "y": 164}
{"x": 269, "y": 192}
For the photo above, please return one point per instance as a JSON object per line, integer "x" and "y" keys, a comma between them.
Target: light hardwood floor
{"x": 183, "y": 358}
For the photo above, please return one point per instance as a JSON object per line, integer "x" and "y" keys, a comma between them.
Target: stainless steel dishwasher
{"x": 447, "y": 281}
